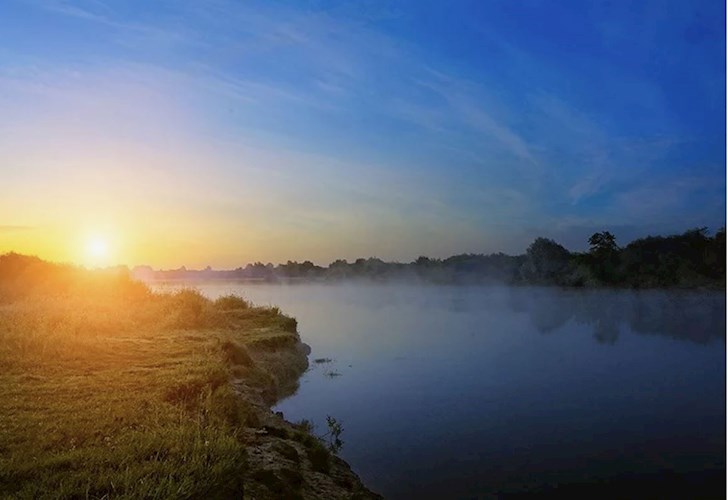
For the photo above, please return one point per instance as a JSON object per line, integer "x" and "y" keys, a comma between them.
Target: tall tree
{"x": 603, "y": 243}
{"x": 546, "y": 261}
{"x": 605, "y": 256}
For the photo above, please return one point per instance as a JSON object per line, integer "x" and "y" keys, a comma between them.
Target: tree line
{"x": 691, "y": 259}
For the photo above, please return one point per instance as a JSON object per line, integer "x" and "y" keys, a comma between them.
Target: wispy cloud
{"x": 125, "y": 31}
{"x": 486, "y": 124}
{"x": 343, "y": 114}
{"x": 670, "y": 198}
{"x": 464, "y": 105}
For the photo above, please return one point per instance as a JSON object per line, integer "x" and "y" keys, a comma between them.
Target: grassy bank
{"x": 110, "y": 389}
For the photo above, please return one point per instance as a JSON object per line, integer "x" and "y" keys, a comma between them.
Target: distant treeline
{"x": 691, "y": 259}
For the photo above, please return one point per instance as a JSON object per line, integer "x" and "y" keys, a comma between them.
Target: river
{"x": 457, "y": 392}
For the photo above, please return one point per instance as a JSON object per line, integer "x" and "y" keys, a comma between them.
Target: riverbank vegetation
{"x": 689, "y": 260}
{"x": 108, "y": 389}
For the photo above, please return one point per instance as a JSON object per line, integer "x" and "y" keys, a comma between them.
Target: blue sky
{"x": 315, "y": 130}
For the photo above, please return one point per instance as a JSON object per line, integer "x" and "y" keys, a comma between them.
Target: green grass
{"x": 108, "y": 389}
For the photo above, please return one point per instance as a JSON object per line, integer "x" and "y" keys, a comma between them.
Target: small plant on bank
{"x": 333, "y": 436}
{"x": 331, "y": 440}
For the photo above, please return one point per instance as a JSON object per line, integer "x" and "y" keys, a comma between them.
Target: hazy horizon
{"x": 415, "y": 256}
{"x": 216, "y": 132}
{"x": 242, "y": 263}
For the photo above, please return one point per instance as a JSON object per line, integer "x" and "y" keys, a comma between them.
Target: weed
{"x": 333, "y": 436}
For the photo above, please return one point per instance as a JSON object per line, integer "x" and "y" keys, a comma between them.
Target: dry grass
{"x": 109, "y": 389}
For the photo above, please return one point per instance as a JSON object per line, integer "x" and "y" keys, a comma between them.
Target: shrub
{"x": 188, "y": 308}
{"x": 231, "y": 303}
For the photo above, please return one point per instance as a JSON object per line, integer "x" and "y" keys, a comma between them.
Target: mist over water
{"x": 463, "y": 391}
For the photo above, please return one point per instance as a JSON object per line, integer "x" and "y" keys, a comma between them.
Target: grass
{"x": 109, "y": 389}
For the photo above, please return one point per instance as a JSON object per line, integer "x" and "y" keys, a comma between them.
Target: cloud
{"x": 332, "y": 112}
{"x": 342, "y": 57}
{"x": 589, "y": 185}
{"x": 464, "y": 105}
{"x": 126, "y": 32}
{"x": 669, "y": 199}
{"x": 485, "y": 123}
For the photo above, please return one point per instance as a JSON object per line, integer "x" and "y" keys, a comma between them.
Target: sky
{"x": 221, "y": 132}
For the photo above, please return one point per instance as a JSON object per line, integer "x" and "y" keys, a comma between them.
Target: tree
{"x": 603, "y": 243}
{"x": 546, "y": 261}
{"x": 423, "y": 261}
{"x": 719, "y": 253}
{"x": 605, "y": 256}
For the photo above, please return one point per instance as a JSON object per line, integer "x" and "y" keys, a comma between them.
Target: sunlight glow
{"x": 97, "y": 251}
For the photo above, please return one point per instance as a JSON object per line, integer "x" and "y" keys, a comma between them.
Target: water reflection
{"x": 462, "y": 392}
{"x": 692, "y": 316}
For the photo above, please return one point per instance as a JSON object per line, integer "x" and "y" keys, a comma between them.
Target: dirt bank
{"x": 283, "y": 459}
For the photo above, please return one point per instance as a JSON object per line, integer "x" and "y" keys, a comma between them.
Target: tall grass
{"x": 110, "y": 389}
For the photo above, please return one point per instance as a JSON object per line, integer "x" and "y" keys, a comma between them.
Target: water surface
{"x": 469, "y": 391}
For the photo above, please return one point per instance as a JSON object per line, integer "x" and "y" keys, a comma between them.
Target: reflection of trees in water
{"x": 606, "y": 331}
{"x": 547, "y": 309}
{"x": 458, "y": 301}
{"x": 593, "y": 308}
{"x": 687, "y": 315}
{"x": 683, "y": 315}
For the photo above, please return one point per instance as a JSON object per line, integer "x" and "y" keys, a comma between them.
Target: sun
{"x": 97, "y": 250}
{"x": 97, "y": 247}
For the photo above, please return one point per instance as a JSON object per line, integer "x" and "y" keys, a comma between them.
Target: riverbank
{"x": 109, "y": 389}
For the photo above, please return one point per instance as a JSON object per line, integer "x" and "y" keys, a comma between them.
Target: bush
{"x": 188, "y": 308}
{"x": 231, "y": 303}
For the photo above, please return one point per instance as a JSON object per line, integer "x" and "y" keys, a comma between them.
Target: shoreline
{"x": 192, "y": 282}
{"x": 284, "y": 459}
